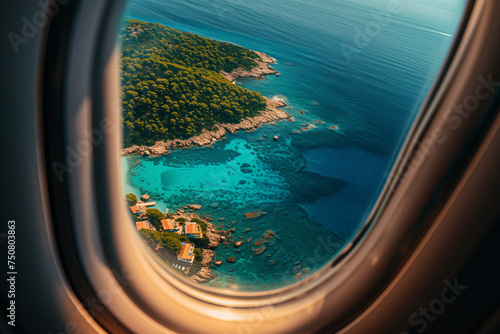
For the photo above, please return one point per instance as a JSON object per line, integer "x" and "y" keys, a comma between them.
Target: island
{"x": 178, "y": 89}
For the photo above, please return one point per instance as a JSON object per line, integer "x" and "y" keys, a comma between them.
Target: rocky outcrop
{"x": 271, "y": 114}
{"x": 193, "y": 207}
{"x": 157, "y": 149}
{"x": 261, "y": 69}
{"x": 215, "y": 238}
{"x": 255, "y": 214}
{"x": 206, "y": 138}
{"x": 203, "y": 276}
{"x": 208, "y": 256}
{"x": 259, "y": 250}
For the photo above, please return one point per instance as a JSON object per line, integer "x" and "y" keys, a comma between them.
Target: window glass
{"x": 258, "y": 135}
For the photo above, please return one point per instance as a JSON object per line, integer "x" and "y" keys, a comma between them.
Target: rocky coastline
{"x": 207, "y": 138}
{"x": 260, "y": 70}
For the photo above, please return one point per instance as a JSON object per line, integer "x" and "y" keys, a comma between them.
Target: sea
{"x": 355, "y": 72}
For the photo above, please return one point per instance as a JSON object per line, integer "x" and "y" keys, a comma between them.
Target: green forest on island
{"x": 171, "y": 85}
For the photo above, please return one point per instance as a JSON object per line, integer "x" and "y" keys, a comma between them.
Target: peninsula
{"x": 178, "y": 89}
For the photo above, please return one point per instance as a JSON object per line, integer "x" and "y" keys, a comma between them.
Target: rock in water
{"x": 208, "y": 256}
{"x": 238, "y": 244}
{"x": 145, "y": 197}
{"x": 231, "y": 259}
{"x": 275, "y": 138}
{"x": 255, "y": 214}
{"x": 218, "y": 263}
{"x": 259, "y": 250}
{"x": 193, "y": 207}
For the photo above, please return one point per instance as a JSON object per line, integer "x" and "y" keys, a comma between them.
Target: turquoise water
{"x": 317, "y": 186}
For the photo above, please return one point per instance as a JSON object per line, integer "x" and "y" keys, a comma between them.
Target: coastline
{"x": 262, "y": 69}
{"x": 207, "y": 138}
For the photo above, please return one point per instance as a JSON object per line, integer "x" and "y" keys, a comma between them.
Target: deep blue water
{"x": 353, "y": 64}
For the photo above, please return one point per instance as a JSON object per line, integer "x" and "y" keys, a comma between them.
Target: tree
{"x": 157, "y": 239}
{"x": 153, "y": 238}
{"x": 171, "y": 241}
{"x": 198, "y": 254}
{"x": 167, "y": 75}
{"x": 155, "y": 217}
{"x": 200, "y": 242}
{"x": 131, "y": 199}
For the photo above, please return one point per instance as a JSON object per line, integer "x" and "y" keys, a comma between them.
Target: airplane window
{"x": 258, "y": 136}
